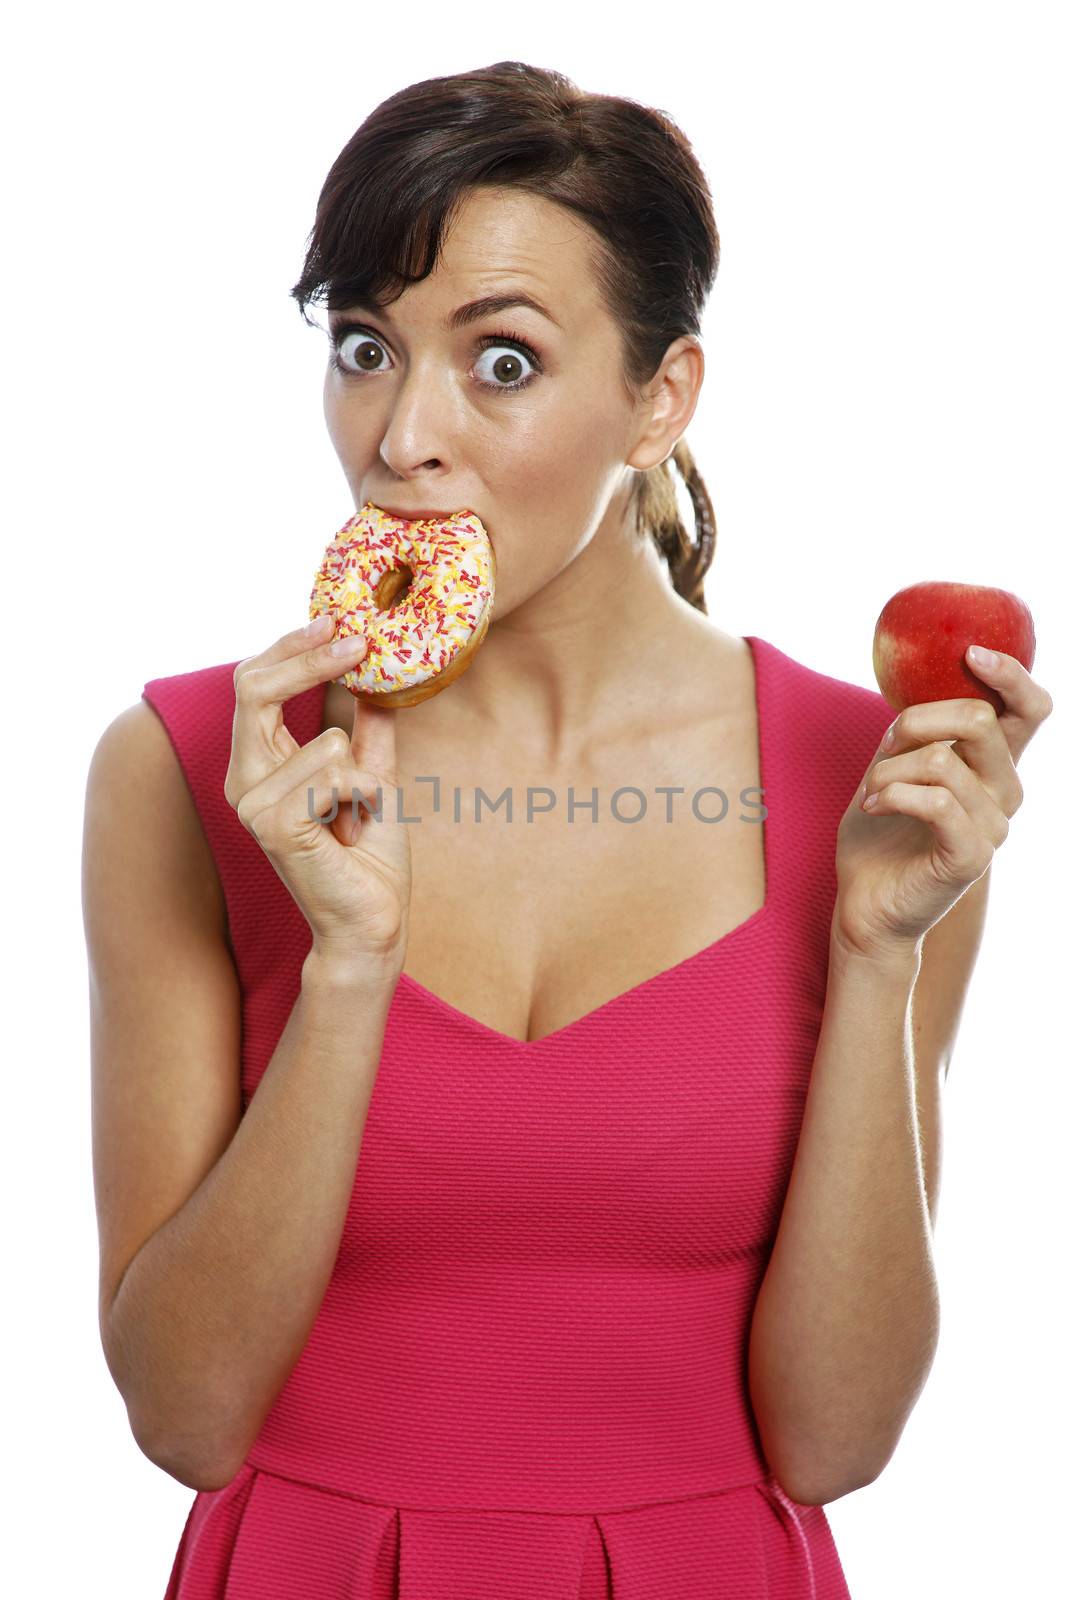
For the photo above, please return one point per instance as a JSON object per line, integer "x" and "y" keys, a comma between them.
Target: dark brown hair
{"x": 625, "y": 169}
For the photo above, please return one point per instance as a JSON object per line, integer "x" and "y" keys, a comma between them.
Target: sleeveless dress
{"x": 527, "y": 1377}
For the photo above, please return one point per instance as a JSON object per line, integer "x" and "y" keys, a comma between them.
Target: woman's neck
{"x": 601, "y": 646}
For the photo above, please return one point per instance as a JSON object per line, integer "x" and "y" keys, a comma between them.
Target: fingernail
{"x": 320, "y": 625}
{"x": 348, "y": 645}
{"x": 982, "y": 657}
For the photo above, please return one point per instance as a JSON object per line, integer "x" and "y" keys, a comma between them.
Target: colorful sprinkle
{"x": 451, "y": 588}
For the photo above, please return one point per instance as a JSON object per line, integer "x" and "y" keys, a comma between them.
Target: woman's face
{"x": 534, "y": 436}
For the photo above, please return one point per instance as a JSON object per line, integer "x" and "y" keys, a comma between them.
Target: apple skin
{"x": 922, "y": 634}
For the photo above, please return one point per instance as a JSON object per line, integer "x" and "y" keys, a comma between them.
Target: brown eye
{"x": 363, "y": 353}
{"x": 357, "y": 351}
{"x": 505, "y": 368}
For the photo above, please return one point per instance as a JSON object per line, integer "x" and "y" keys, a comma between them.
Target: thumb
{"x": 373, "y": 740}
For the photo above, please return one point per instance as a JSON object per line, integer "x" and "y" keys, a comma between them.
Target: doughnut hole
{"x": 393, "y": 587}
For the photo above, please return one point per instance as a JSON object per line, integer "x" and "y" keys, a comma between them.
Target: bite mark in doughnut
{"x": 420, "y": 591}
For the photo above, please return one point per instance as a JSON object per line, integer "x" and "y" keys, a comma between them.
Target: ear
{"x": 668, "y": 402}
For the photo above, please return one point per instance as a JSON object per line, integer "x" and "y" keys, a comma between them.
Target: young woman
{"x": 531, "y": 1202}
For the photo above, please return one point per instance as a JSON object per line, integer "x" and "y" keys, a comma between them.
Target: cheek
{"x": 331, "y": 413}
{"x": 562, "y": 478}
{"x": 553, "y": 469}
{"x": 347, "y": 431}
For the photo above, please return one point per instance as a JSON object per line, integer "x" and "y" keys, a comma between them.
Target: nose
{"x": 416, "y": 433}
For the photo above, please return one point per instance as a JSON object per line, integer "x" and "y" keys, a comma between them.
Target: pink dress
{"x": 527, "y": 1378}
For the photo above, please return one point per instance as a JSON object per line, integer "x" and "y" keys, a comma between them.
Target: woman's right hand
{"x": 351, "y": 877}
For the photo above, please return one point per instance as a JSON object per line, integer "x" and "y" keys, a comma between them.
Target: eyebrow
{"x": 462, "y": 316}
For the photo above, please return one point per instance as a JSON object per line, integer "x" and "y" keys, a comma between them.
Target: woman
{"x": 488, "y": 1202}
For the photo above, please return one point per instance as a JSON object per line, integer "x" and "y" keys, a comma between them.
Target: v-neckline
{"x": 732, "y": 936}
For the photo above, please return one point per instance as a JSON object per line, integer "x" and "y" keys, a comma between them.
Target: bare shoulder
{"x": 136, "y": 782}
{"x": 720, "y": 666}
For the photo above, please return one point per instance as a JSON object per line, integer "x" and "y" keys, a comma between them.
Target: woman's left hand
{"x": 940, "y": 810}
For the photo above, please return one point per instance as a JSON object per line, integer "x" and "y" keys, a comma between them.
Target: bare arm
{"x": 846, "y": 1321}
{"x": 218, "y": 1232}
{"x": 213, "y": 1312}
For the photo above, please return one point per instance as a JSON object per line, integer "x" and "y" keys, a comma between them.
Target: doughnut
{"x": 420, "y": 591}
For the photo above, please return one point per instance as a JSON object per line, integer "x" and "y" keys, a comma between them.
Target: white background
{"x": 883, "y": 405}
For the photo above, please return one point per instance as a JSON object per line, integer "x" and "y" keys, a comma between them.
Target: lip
{"x": 419, "y": 514}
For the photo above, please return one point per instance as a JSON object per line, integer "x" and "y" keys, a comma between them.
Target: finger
{"x": 374, "y": 737}
{"x": 939, "y": 766}
{"x": 974, "y": 731}
{"x": 325, "y": 798}
{"x": 1026, "y": 703}
{"x": 324, "y": 760}
{"x": 319, "y": 799}
{"x": 313, "y": 634}
{"x": 962, "y": 847}
{"x": 262, "y": 685}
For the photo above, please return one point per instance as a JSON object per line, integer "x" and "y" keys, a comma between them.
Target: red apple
{"x": 922, "y": 634}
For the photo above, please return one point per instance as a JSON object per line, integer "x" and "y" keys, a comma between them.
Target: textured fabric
{"x": 527, "y": 1378}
